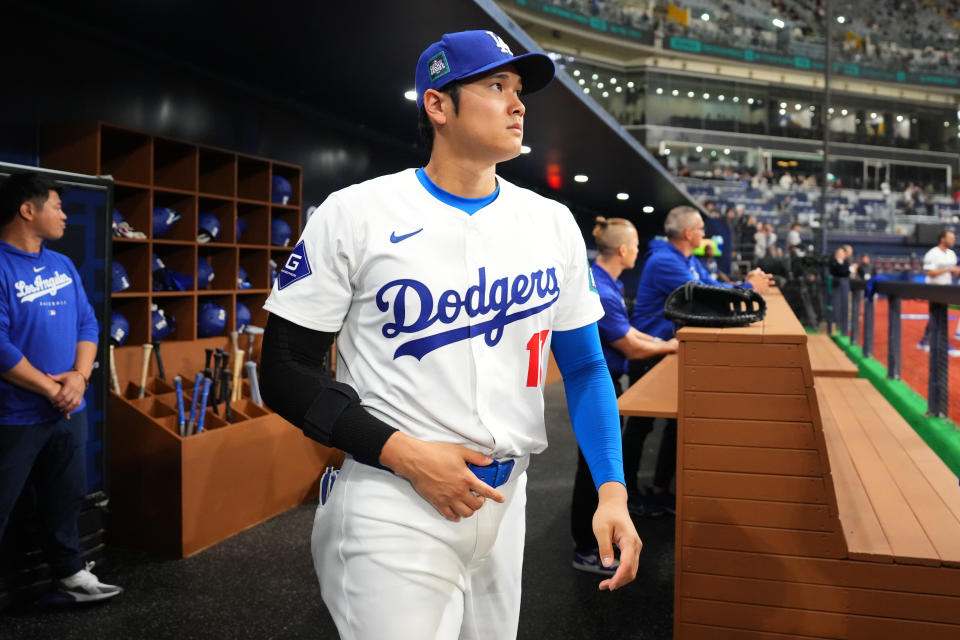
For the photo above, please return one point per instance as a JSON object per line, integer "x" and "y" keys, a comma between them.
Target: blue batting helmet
{"x": 119, "y": 328}
{"x": 209, "y": 227}
{"x": 163, "y": 219}
{"x": 279, "y": 232}
{"x": 118, "y": 278}
{"x": 204, "y": 273}
{"x": 160, "y": 324}
{"x": 282, "y": 191}
{"x": 211, "y": 320}
{"x": 241, "y": 227}
{"x": 242, "y": 281}
{"x": 243, "y": 317}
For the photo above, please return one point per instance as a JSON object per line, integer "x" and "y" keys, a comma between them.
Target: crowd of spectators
{"x": 913, "y": 36}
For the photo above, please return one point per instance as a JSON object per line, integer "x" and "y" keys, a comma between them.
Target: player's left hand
{"x": 612, "y": 526}
{"x": 71, "y": 392}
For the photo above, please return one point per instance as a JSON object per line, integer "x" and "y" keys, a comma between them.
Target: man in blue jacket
{"x": 48, "y": 342}
{"x": 669, "y": 264}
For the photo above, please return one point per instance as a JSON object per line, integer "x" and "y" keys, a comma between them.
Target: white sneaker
{"x": 83, "y": 586}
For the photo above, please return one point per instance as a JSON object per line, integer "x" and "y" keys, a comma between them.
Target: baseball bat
{"x": 222, "y": 394}
{"x": 206, "y": 363}
{"x": 197, "y": 384}
{"x": 237, "y": 369}
{"x": 235, "y": 341}
{"x": 215, "y": 382}
{"x": 178, "y": 386}
{"x": 156, "y": 352}
{"x": 144, "y": 365}
{"x": 227, "y": 412}
{"x": 251, "y": 368}
{"x": 114, "y": 380}
{"x": 203, "y": 404}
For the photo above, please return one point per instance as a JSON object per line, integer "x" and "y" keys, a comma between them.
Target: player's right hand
{"x": 760, "y": 281}
{"x": 438, "y": 471}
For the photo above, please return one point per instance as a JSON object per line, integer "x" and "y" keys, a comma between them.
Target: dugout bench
{"x": 806, "y": 506}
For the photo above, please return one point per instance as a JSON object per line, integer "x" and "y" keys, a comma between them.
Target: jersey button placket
{"x": 472, "y": 264}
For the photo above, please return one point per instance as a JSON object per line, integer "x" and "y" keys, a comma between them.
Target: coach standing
{"x": 669, "y": 264}
{"x": 48, "y": 342}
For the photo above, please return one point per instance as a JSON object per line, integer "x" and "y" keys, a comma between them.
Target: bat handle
{"x": 197, "y": 385}
{"x": 145, "y": 365}
{"x": 178, "y": 387}
{"x": 203, "y": 404}
{"x": 114, "y": 380}
{"x": 251, "y": 368}
{"x": 156, "y": 352}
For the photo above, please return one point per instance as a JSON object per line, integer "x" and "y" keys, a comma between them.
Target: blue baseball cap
{"x": 468, "y": 53}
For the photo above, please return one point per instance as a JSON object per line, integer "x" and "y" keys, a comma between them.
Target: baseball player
{"x": 446, "y": 286}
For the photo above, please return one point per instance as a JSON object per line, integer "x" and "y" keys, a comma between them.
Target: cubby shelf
{"x": 156, "y": 171}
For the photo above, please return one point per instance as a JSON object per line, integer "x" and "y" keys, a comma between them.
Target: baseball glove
{"x": 700, "y": 305}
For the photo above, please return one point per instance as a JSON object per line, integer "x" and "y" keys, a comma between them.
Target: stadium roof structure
{"x": 355, "y": 61}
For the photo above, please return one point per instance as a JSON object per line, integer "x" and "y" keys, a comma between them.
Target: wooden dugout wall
{"x": 762, "y": 550}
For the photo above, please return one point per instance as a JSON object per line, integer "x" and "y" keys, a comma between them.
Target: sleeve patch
{"x": 297, "y": 267}
{"x": 590, "y": 281}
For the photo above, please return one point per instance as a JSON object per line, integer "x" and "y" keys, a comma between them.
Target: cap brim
{"x": 536, "y": 70}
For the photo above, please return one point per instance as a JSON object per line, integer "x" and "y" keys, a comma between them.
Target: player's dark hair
{"x": 24, "y": 187}
{"x": 425, "y": 126}
{"x": 943, "y": 234}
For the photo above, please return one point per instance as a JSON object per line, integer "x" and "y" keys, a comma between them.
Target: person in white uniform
{"x": 445, "y": 287}
{"x": 940, "y": 267}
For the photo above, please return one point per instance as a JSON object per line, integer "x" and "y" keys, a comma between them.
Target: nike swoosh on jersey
{"x": 38, "y": 269}
{"x": 394, "y": 238}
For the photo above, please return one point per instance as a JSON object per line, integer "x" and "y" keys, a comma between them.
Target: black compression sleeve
{"x": 294, "y": 384}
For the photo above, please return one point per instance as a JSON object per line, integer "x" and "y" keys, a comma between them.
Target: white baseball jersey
{"x": 937, "y": 258}
{"x": 444, "y": 318}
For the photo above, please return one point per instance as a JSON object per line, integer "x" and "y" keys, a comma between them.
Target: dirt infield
{"x": 916, "y": 363}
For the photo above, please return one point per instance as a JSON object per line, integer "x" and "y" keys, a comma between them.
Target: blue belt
{"x": 495, "y": 474}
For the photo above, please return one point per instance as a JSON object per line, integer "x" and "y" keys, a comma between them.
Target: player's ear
{"x": 436, "y": 107}
{"x": 28, "y": 210}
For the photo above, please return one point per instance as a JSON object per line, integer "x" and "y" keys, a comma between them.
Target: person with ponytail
{"x": 617, "y": 245}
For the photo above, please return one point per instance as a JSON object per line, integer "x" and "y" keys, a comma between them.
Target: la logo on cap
{"x": 497, "y": 40}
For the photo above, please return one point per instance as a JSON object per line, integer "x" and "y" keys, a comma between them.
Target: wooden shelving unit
{"x": 172, "y": 494}
{"x": 154, "y": 171}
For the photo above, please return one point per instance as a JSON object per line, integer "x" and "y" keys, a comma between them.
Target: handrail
{"x": 938, "y": 297}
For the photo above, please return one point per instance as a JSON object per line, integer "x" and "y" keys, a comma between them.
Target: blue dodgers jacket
{"x": 665, "y": 269}
{"x": 44, "y": 312}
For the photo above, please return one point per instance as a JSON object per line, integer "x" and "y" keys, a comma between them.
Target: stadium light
{"x": 736, "y": 98}
{"x": 648, "y": 209}
{"x": 576, "y": 73}
{"x": 843, "y": 112}
{"x": 783, "y": 112}
{"x": 659, "y": 91}
{"x": 623, "y": 196}
{"x": 586, "y": 89}
{"x": 630, "y": 85}
{"x": 619, "y": 89}
{"x": 613, "y": 81}
{"x": 778, "y": 23}
{"x": 749, "y": 100}
{"x": 410, "y": 94}
{"x": 841, "y": 19}
{"x": 797, "y": 107}
{"x": 783, "y": 105}
{"x": 830, "y": 110}
{"x": 873, "y": 116}
{"x": 721, "y": 97}
{"x": 524, "y": 149}
{"x": 666, "y": 152}
{"x": 689, "y": 94}
{"x": 594, "y": 77}
{"x": 599, "y": 85}
{"x": 581, "y": 82}
{"x": 726, "y": 152}
{"x": 580, "y": 177}
{"x": 899, "y": 118}
{"x": 675, "y": 92}
{"x": 699, "y": 148}
{"x": 606, "y": 94}
{"x": 705, "y": 17}
{"x": 706, "y": 96}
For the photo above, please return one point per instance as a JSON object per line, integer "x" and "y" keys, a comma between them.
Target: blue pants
{"x": 51, "y": 457}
